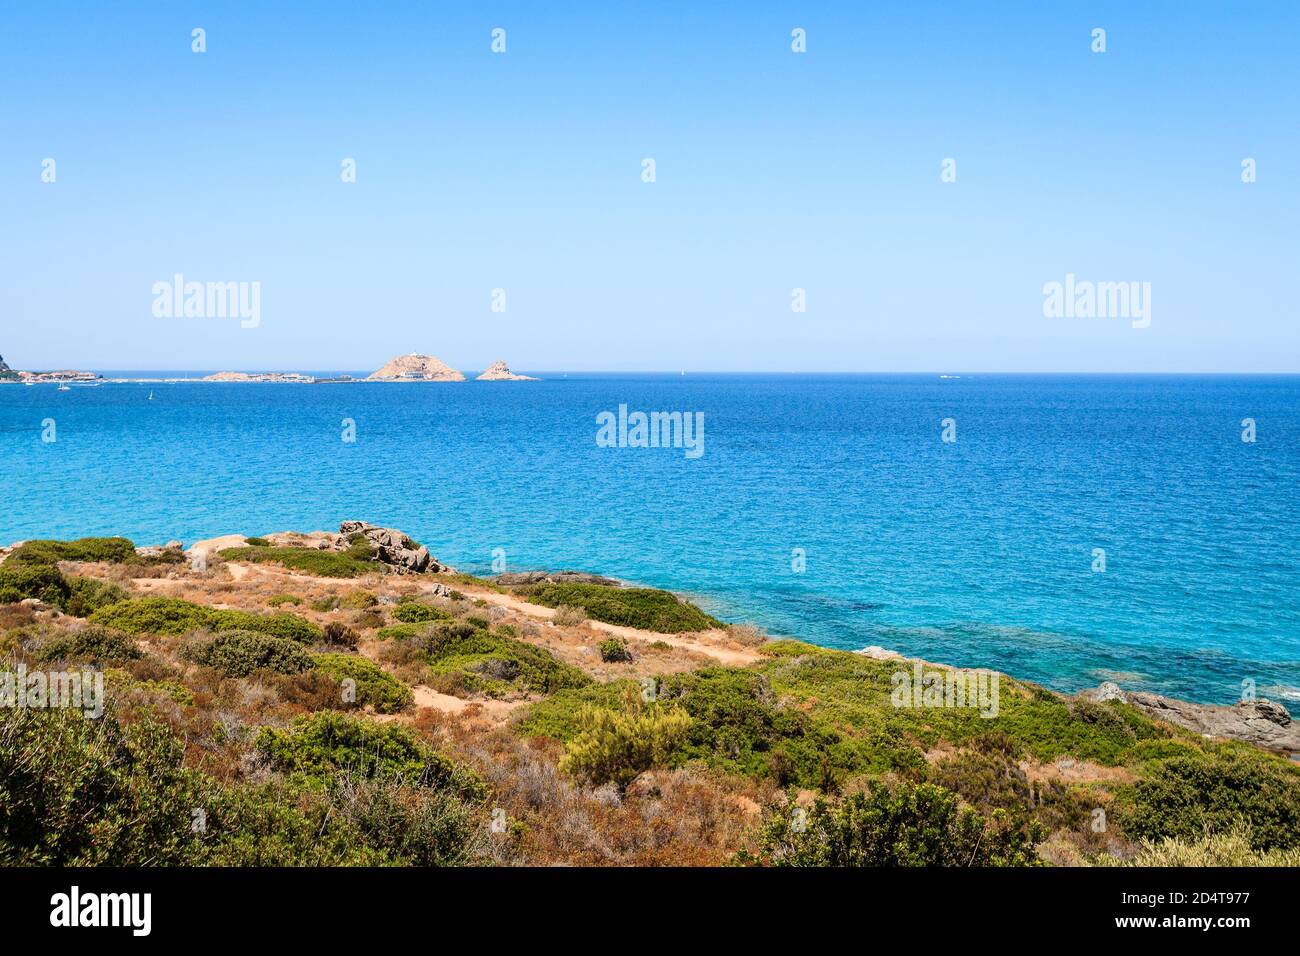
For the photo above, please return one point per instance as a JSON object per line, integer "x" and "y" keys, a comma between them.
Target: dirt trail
{"x": 702, "y": 642}
{"x": 713, "y": 643}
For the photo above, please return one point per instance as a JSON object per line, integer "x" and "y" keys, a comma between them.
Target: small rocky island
{"x": 500, "y": 372}
{"x": 416, "y": 368}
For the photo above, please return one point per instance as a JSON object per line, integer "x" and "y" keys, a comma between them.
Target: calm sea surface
{"x": 978, "y": 552}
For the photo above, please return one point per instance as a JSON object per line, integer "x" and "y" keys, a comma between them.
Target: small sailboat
{"x": 64, "y": 388}
{"x": 151, "y": 394}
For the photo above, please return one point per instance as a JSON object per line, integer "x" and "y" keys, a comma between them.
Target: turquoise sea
{"x": 976, "y": 552}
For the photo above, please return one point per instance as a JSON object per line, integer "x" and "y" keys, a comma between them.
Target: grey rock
{"x": 1109, "y": 690}
{"x": 394, "y": 548}
{"x": 1264, "y": 723}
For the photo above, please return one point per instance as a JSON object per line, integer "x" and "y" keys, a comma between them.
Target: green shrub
{"x": 257, "y": 542}
{"x": 99, "y": 645}
{"x": 314, "y": 748}
{"x": 115, "y": 550}
{"x": 280, "y": 600}
{"x": 402, "y": 632}
{"x": 381, "y": 690}
{"x": 240, "y": 653}
{"x": 1188, "y": 797}
{"x": 643, "y": 608}
{"x": 88, "y": 595}
{"x": 492, "y": 663}
{"x": 78, "y": 792}
{"x": 44, "y": 582}
{"x": 615, "y": 746}
{"x": 901, "y": 825}
{"x": 413, "y": 613}
{"x": 359, "y": 601}
{"x": 327, "y": 564}
{"x": 614, "y": 650}
{"x": 157, "y": 615}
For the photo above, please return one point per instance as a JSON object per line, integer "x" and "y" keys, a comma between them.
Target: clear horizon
{"x": 775, "y": 171}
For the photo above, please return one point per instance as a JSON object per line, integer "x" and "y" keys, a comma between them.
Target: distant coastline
{"x": 406, "y": 368}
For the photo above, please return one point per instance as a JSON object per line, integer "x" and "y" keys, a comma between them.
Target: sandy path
{"x": 714, "y": 644}
{"x": 702, "y": 642}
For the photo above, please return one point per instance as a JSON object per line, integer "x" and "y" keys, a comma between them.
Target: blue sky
{"x": 775, "y": 171}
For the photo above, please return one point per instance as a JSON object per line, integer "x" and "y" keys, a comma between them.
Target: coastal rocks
{"x": 1109, "y": 690}
{"x": 500, "y": 372}
{"x": 555, "y": 577}
{"x": 416, "y": 368}
{"x": 154, "y": 550}
{"x": 1261, "y": 722}
{"x": 3, "y": 366}
{"x": 394, "y": 548}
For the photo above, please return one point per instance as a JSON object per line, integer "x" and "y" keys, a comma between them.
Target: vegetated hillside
{"x": 315, "y": 710}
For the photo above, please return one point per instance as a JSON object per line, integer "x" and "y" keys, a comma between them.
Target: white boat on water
{"x": 64, "y": 388}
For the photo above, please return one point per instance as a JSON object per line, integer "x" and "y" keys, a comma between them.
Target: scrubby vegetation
{"x": 240, "y": 653}
{"x": 472, "y": 659}
{"x": 316, "y": 747}
{"x": 385, "y": 693}
{"x": 643, "y": 608}
{"x": 614, "y": 650}
{"x": 616, "y": 746}
{"x": 157, "y": 615}
{"x": 358, "y": 559}
{"x": 410, "y": 612}
{"x": 900, "y": 825}
{"x": 83, "y": 549}
{"x": 79, "y": 792}
{"x": 227, "y": 710}
{"x": 95, "y": 645}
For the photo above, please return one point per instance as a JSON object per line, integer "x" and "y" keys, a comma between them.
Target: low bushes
{"x": 385, "y": 693}
{"x": 412, "y": 613}
{"x": 357, "y": 560}
{"x": 19, "y": 580}
{"x": 240, "y": 653}
{"x": 493, "y": 662}
{"x": 614, "y": 650}
{"x": 643, "y": 608}
{"x": 158, "y": 615}
{"x": 1189, "y": 796}
{"x": 79, "y": 792}
{"x": 901, "y": 825}
{"x": 616, "y": 746}
{"x": 84, "y": 549}
{"x": 88, "y": 595}
{"x": 314, "y": 748}
{"x": 99, "y": 645}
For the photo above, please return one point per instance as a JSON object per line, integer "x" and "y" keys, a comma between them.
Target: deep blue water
{"x": 973, "y": 553}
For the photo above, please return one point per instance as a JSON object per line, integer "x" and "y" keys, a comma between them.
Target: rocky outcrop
{"x": 3, "y": 366}
{"x": 394, "y": 548}
{"x": 500, "y": 372}
{"x": 1261, "y": 722}
{"x": 416, "y": 368}
{"x": 555, "y": 577}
